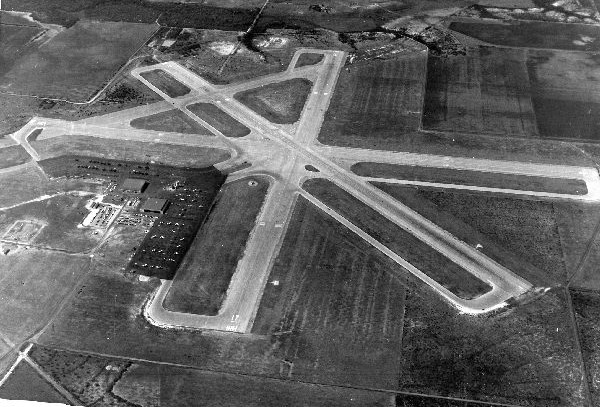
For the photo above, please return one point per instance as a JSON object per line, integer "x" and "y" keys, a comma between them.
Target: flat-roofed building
{"x": 134, "y": 185}
{"x": 155, "y": 205}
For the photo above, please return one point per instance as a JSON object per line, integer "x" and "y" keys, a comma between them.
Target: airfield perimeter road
{"x": 282, "y": 151}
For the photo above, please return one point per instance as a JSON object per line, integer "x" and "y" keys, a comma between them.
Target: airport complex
{"x": 276, "y": 203}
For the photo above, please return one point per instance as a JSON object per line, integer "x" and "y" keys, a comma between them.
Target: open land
{"x": 540, "y": 240}
{"x": 586, "y": 305}
{"x": 474, "y": 178}
{"x": 27, "y": 384}
{"x": 334, "y": 305}
{"x": 418, "y": 253}
{"x": 280, "y": 102}
{"x": 529, "y": 237}
{"x": 524, "y": 357}
{"x": 485, "y": 91}
{"x": 201, "y": 282}
{"x": 89, "y": 377}
{"x": 173, "y": 120}
{"x": 166, "y": 83}
{"x": 13, "y": 155}
{"x": 67, "y": 67}
{"x": 308, "y": 58}
{"x": 532, "y": 34}
{"x": 177, "y": 155}
{"x": 566, "y": 96}
{"x": 31, "y": 298}
{"x": 16, "y": 41}
{"x": 61, "y": 216}
{"x": 217, "y": 118}
{"x": 375, "y": 101}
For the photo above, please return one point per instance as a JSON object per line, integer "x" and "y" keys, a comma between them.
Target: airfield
{"x": 337, "y": 251}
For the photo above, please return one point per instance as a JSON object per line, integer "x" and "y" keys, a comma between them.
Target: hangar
{"x": 155, "y": 205}
{"x": 134, "y": 185}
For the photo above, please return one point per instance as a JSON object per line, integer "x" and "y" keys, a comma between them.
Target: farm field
{"x": 91, "y": 377}
{"x": 308, "y": 58}
{"x": 175, "y": 155}
{"x": 418, "y": 253}
{"x": 67, "y": 67}
{"x": 34, "y": 282}
{"x": 403, "y": 400}
{"x": 173, "y": 121}
{"x": 202, "y": 280}
{"x": 566, "y": 94}
{"x": 280, "y": 102}
{"x": 60, "y": 217}
{"x": 29, "y": 182}
{"x": 15, "y": 41}
{"x": 586, "y": 305}
{"x": 526, "y": 356}
{"x": 13, "y": 155}
{"x": 485, "y": 91}
{"x": 166, "y": 83}
{"x": 474, "y": 178}
{"x": 220, "y": 120}
{"x": 113, "y": 324}
{"x": 541, "y": 240}
{"x": 375, "y": 101}
{"x": 336, "y": 314}
{"x": 27, "y": 384}
{"x": 532, "y": 34}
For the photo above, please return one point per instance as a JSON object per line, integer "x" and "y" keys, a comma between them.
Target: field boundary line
{"x": 269, "y": 378}
{"x": 60, "y": 389}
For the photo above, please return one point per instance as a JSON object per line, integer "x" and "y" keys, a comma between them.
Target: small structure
{"x": 134, "y": 185}
{"x": 155, "y": 205}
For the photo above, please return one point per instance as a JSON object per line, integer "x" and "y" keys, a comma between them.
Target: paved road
{"x": 283, "y": 151}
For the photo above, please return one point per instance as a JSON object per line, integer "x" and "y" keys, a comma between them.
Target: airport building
{"x": 134, "y": 185}
{"x": 155, "y": 205}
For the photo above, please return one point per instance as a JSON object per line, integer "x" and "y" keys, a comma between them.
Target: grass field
{"x": 336, "y": 314}
{"x": 374, "y": 101}
{"x": 542, "y": 241}
{"x": 91, "y": 377}
{"x": 485, "y": 91}
{"x": 474, "y": 178}
{"x": 13, "y": 155}
{"x": 403, "y": 400}
{"x": 77, "y": 62}
{"x": 160, "y": 153}
{"x": 532, "y": 34}
{"x": 26, "y": 384}
{"x": 14, "y": 42}
{"x": 105, "y": 316}
{"x": 418, "y": 253}
{"x": 186, "y": 387}
{"x": 202, "y": 280}
{"x": 565, "y": 94}
{"x": 218, "y": 119}
{"x": 166, "y": 83}
{"x": 33, "y": 283}
{"x": 280, "y": 102}
{"x": 586, "y": 306}
{"x": 61, "y": 215}
{"x": 173, "y": 120}
{"x": 308, "y": 58}
{"x": 519, "y": 234}
{"x": 526, "y": 356}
